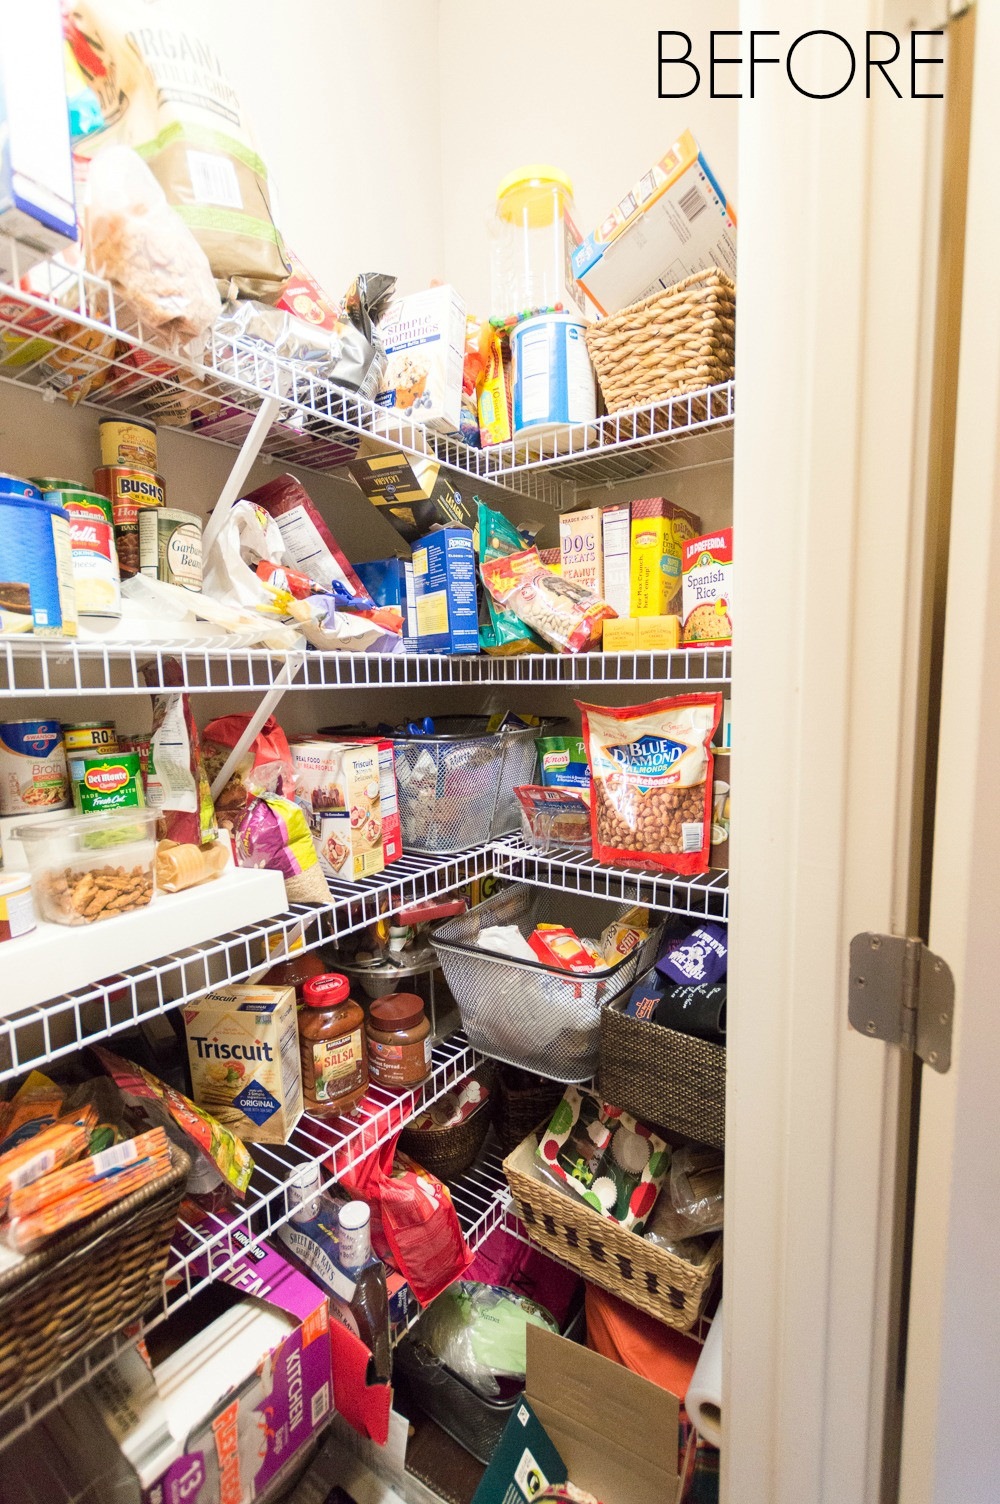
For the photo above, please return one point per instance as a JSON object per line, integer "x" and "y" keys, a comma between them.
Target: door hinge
{"x": 904, "y": 994}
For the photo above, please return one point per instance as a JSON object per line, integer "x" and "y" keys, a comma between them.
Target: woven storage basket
{"x": 680, "y": 340}
{"x": 668, "y": 1079}
{"x": 523, "y": 1100}
{"x": 628, "y": 1266}
{"x": 87, "y": 1284}
{"x": 450, "y": 1151}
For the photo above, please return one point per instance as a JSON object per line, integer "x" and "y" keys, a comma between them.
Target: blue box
{"x": 389, "y": 582}
{"x": 444, "y": 583}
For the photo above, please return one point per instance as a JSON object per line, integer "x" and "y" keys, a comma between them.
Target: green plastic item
{"x": 479, "y": 1332}
{"x": 504, "y": 633}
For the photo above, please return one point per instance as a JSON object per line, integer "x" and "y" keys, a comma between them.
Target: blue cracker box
{"x": 389, "y": 582}
{"x": 444, "y": 584}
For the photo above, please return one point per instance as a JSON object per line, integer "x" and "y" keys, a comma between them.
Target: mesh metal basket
{"x": 521, "y": 1012}
{"x": 456, "y": 788}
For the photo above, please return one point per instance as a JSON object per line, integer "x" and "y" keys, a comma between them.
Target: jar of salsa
{"x": 331, "y": 1046}
{"x": 399, "y": 1040}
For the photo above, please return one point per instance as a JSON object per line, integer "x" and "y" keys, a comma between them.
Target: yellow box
{"x": 621, "y": 635}
{"x": 659, "y": 531}
{"x": 658, "y": 634}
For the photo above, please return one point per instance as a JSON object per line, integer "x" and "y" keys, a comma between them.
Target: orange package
{"x": 556, "y": 945}
{"x": 49, "y": 1150}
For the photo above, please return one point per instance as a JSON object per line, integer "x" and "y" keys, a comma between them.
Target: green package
{"x": 503, "y": 635}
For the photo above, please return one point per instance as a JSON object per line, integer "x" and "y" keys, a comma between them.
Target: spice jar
{"x": 331, "y": 1046}
{"x": 399, "y": 1040}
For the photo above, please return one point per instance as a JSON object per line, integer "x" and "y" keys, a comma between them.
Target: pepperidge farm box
{"x": 444, "y": 583}
{"x": 659, "y": 532}
{"x": 424, "y": 338}
{"x": 675, "y": 221}
{"x": 243, "y": 1050}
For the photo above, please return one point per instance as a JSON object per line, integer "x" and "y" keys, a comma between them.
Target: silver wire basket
{"x": 456, "y": 788}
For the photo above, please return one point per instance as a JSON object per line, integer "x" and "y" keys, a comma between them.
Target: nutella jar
{"x": 331, "y": 1046}
{"x": 399, "y": 1040}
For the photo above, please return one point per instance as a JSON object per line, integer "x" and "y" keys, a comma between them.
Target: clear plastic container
{"x": 92, "y": 867}
{"x": 532, "y": 242}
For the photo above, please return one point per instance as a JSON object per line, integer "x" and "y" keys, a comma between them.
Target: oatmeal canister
{"x": 127, "y": 442}
{"x": 170, "y": 546}
{"x": 129, "y": 491}
{"x": 95, "y": 556}
{"x": 33, "y": 772}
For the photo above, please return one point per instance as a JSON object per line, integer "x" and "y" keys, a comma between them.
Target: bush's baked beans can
{"x": 33, "y": 772}
{"x": 170, "y": 547}
{"x": 95, "y": 554}
{"x": 130, "y": 491}
{"x": 108, "y": 780}
{"x": 128, "y": 441}
{"x": 89, "y": 736}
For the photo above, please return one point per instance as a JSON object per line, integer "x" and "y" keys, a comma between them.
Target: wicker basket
{"x": 523, "y": 1101}
{"x": 87, "y": 1284}
{"x": 678, "y": 340}
{"x": 450, "y": 1151}
{"x": 628, "y": 1266}
{"x": 665, "y": 1078}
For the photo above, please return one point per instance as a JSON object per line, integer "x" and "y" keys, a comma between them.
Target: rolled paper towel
{"x": 704, "y": 1396}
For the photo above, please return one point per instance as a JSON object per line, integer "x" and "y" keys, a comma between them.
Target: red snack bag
{"x": 651, "y": 782}
{"x": 265, "y": 768}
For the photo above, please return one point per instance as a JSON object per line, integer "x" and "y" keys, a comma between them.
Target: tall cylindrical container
{"x": 553, "y": 378}
{"x": 533, "y": 236}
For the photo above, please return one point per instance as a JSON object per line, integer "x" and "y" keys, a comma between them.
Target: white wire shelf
{"x": 573, "y": 871}
{"x": 42, "y": 668}
{"x": 37, "y": 1035}
{"x": 203, "y": 1250}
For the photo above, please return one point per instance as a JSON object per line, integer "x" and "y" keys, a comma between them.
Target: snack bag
{"x": 566, "y": 614}
{"x": 504, "y": 633}
{"x": 602, "y": 1154}
{"x": 651, "y": 782}
{"x": 265, "y": 768}
{"x": 558, "y": 945}
{"x": 273, "y": 833}
{"x": 495, "y": 406}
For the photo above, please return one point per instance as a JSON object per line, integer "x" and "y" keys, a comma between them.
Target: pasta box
{"x": 444, "y": 583}
{"x": 410, "y": 491}
{"x": 389, "y": 582}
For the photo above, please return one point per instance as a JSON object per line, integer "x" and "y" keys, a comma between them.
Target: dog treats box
{"x": 708, "y": 591}
{"x": 582, "y": 538}
{"x": 243, "y": 1050}
{"x": 339, "y": 786}
{"x": 424, "y": 338}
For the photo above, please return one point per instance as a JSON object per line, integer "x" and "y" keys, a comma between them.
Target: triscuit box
{"x": 708, "y": 590}
{"x": 582, "y": 539}
{"x": 659, "y": 532}
{"x": 444, "y": 581}
{"x": 675, "y": 221}
{"x": 243, "y": 1050}
{"x": 424, "y": 338}
{"x": 616, "y": 529}
{"x": 339, "y": 787}
{"x": 409, "y": 490}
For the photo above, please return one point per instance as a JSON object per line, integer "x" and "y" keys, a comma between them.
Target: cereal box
{"x": 338, "y": 785}
{"x": 659, "y": 532}
{"x": 424, "y": 338}
{"x": 582, "y": 541}
{"x": 243, "y": 1049}
{"x": 708, "y": 590}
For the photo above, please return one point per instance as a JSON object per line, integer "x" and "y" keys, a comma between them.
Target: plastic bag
{"x": 137, "y": 243}
{"x": 504, "y": 633}
{"x": 273, "y": 834}
{"x": 696, "y": 1187}
{"x": 266, "y": 766}
{"x": 176, "y": 785}
{"x": 479, "y": 1332}
{"x": 566, "y": 614}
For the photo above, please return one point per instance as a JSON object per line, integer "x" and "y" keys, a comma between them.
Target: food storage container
{"x": 533, "y": 238}
{"x": 91, "y": 867}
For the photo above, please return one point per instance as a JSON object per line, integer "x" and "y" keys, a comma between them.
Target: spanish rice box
{"x": 708, "y": 590}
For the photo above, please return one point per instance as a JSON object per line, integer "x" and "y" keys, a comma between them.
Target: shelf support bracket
{"x": 249, "y": 450}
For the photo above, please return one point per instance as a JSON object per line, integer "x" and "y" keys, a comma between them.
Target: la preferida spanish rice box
{"x": 708, "y": 591}
{"x": 338, "y": 785}
{"x": 243, "y": 1049}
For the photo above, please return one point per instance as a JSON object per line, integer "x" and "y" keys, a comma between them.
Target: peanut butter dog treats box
{"x": 243, "y": 1049}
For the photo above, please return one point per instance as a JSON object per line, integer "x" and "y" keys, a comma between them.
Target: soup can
{"x": 128, "y": 441}
{"x": 33, "y": 772}
{"x": 17, "y": 912}
{"x": 553, "y": 379}
{"x": 107, "y": 781}
{"x": 95, "y": 555}
{"x": 89, "y": 736}
{"x": 130, "y": 491}
{"x": 170, "y": 547}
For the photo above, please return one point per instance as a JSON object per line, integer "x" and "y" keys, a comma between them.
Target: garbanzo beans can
{"x": 170, "y": 546}
{"x": 129, "y": 491}
{"x": 128, "y": 441}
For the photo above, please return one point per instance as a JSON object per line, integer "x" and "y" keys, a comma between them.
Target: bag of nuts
{"x": 651, "y": 782}
{"x": 566, "y": 614}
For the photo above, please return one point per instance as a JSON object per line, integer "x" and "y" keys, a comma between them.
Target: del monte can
{"x": 108, "y": 781}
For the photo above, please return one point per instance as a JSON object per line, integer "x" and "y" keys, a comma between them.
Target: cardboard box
{"x": 582, "y": 538}
{"x": 707, "y": 566}
{"x": 616, "y": 528}
{"x": 659, "y": 532}
{"x": 586, "y": 1419}
{"x": 642, "y": 634}
{"x": 389, "y": 582}
{"x": 410, "y": 491}
{"x": 392, "y": 836}
{"x": 243, "y": 1049}
{"x": 37, "y": 198}
{"x": 675, "y": 221}
{"x": 339, "y": 786}
{"x": 444, "y": 582}
{"x": 424, "y": 338}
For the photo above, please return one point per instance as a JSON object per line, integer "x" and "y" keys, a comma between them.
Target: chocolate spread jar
{"x": 331, "y": 1046}
{"x": 399, "y": 1040}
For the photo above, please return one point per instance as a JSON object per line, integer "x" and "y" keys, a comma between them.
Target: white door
{"x": 840, "y": 207}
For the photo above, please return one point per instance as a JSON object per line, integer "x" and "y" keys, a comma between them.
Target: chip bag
{"x": 503, "y": 633}
{"x": 566, "y": 614}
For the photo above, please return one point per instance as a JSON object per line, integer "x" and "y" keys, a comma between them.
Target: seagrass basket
{"x": 682, "y": 339}
{"x": 663, "y": 1077}
{"x": 447, "y": 1152}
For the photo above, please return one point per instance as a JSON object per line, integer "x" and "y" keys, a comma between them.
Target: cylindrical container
{"x": 354, "y": 1242}
{"x": 305, "y": 1192}
{"x": 107, "y": 781}
{"x": 46, "y": 483}
{"x": 17, "y": 911}
{"x": 33, "y": 772}
{"x": 170, "y": 546}
{"x": 129, "y": 490}
{"x": 532, "y": 240}
{"x": 296, "y": 969}
{"x": 95, "y": 556}
{"x": 83, "y": 738}
{"x": 399, "y": 1041}
{"x": 331, "y": 1047}
{"x": 128, "y": 442}
{"x": 36, "y": 561}
{"x": 553, "y": 377}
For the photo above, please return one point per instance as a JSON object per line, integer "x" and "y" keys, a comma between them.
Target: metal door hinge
{"x": 904, "y": 994}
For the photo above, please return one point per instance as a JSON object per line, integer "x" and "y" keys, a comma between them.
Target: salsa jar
{"x": 399, "y": 1040}
{"x": 331, "y": 1046}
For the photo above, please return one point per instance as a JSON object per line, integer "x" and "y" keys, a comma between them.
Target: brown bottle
{"x": 295, "y": 970}
{"x": 331, "y": 1046}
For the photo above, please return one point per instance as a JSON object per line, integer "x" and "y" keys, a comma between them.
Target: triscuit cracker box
{"x": 243, "y": 1049}
{"x": 659, "y": 532}
{"x": 708, "y": 590}
{"x": 424, "y": 338}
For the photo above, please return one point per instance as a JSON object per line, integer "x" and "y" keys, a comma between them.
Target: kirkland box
{"x": 424, "y": 338}
{"x": 389, "y": 582}
{"x": 675, "y": 221}
{"x": 444, "y": 582}
{"x": 409, "y": 490}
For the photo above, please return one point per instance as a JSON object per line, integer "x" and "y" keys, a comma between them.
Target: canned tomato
{"x": 129, "y": 491}
{"x": 49, "y": 483}
{"x": 170, "y": 546}
{"x": 89, "y": 736}
{"x": 128, "y": 441}
{"x": 17, "y": 912}
{"x": 33, "y": 772}
{"x": 112, "y": 780}
{"x": 95, "y": 556}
